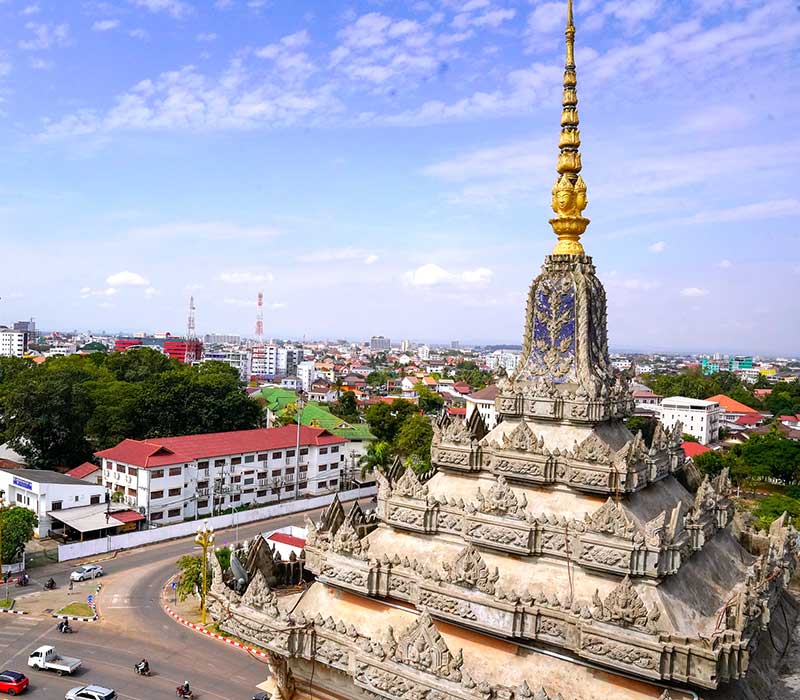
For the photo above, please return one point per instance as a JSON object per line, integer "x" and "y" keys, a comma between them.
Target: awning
{"x": 96, "y": 517}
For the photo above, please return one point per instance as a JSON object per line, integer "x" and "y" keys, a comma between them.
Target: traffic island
{"x": 77, "y": 610}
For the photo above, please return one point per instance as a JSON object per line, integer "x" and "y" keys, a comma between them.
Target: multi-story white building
{"x": 379, "y": 343}
{"x": 424, "y": 352}
{"x": 483, "y": 402}
{"x": 12, "y": 343}
{"x": 42, "y": 491}
{"x": 503, "y": 358}
{"x": 177, "y": 478}
{"x": 272, "y": 360}
{"x": 240, "y": 360}
{"x": 306, "y": 373}
{"x": 701, "y": 419}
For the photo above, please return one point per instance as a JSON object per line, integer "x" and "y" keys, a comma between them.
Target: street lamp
{"x": 205, "y": 538}
{"x": 2, "y": 505}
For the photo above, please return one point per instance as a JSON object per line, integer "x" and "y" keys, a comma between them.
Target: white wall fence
{"x": 78, "y": 550}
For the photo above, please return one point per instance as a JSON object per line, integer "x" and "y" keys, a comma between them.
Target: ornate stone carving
{"x": 500, "y": 500}
{"x": 259, "y": 596}
{"x": 421, "y": 646}
{"x": 454, "y": 431}
{"x": 346, "y": 541}
{"x": 624, "y": 607}
{"x": 409, "y": 486}
{"x": 620, "y": 653}
{"x": 447, "y": 604}
{"x": 284, "y": 680}
{"x": 522, "y": 439}
{"x": 407, "y": 516}
{"x": 610, "y": 519}
{"x": 593, "y": 449}
{"x": 469, "y": 570}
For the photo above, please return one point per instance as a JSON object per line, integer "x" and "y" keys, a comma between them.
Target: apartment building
{"x": 12, "y": 343}
{"x": 177, "y": 478}
{"x": 701, "y": 419}
{"x": 272, "y": 360}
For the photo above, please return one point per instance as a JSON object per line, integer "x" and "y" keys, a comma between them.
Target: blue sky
{"x": 385, "y": 167}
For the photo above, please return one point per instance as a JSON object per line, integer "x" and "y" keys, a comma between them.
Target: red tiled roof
{"x": 127, "y": 516}
{"x": 645, "y": 395}
{"x": 762, "y": 392}
{"x": 789, "y": 418}
{"x": 692, "y": 449}
{"x": 283, "y": 538}
{"x": 730, "y": 405}
{"x": 83, "y": 470}
{"x": 749, "y": 419}
{"x": 488, "y": 394}
{"x": 159, "y": 452}
{"x": 457, "y": 410}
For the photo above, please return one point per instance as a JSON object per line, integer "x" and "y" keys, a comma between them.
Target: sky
{"x": 380, "y": 167}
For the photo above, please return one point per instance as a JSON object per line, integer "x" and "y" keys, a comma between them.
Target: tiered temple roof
{"x": 557, "y": 555}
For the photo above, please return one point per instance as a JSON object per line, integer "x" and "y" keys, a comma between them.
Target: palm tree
{"x": 378, "y": 457}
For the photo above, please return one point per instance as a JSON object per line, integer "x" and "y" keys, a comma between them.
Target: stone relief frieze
{"x": 610, "y": 519}
{"x": 409, "y": 486}
{"x": 501, "y": 500}
{"x": 621, "y": 653}
{"x": 470, "y": 570}
{"x": 625, "y": 607}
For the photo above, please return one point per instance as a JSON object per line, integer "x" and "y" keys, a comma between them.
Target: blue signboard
{"x": 174, "y": 585}
{"x": 22, "y": 483}
{"x": 90, "y": 598}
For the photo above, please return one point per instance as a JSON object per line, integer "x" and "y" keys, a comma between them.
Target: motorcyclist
{"x": 185, "y": 688}
{"x": 143, "y": 666}
{"x": 50, "y": 583}
{"x": 64, "y": 627}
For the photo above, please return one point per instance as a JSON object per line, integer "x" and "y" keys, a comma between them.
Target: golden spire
{"x": 569, "y": 193}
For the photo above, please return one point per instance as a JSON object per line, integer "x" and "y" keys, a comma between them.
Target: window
{"x": 323, "y": 450}
{"x": 109, "y": 465}
{"x": 262, "y": 456}
{"x": 57, "y": 505}
{"x": 249, "y": 459}
{"x": 261, "y": 494}
{"x": 289, "y": 471}
{"x": 303, "y": 451}
{"x": 203, "y": 464}
{"x": 121, "y": 468}
{"x": 236, "y": 460}
{"x": 157, "y": 516}
{"x": 202, "y": 484}
{"x": 277, "y": 455}
{"x": 175, "y": 471}
{"x": 322, "y": 485}
{"x": 236, "y": 497}
{"x": 247, "y": 482}
{"x": 276, "y": 473}
{"x": 219, "y": 462}
{"x": 333, "y": 483}
{"x": 323, "y": 467}
{"x": 132, "y": 470}
{"x": 334, "y": 449}
{"x": 109, "y": 485}
{"x": 157, "y": 494}
{"x": 289, "y": 453}
{"x": 261, "y": 475}
{"x": 303, "y": 468}
{"x": 174, "y": 513}
{"x": 157, "y": 474}
{"x": 236, "y": 479}
{"x": 202, "y": 504}
{"x": 288, "y": 489}
{"x": 175, "y": 491}
{"x": 132, "y": 493}
{"x": 303, "y": 484}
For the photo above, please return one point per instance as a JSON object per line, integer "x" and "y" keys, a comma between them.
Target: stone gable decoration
{"x": 465, "y": 543}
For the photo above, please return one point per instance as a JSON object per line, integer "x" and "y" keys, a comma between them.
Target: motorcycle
{"x": 181, "y": 693}
{"x": 142, "y": 671}
{"x": 65, "y": 628}
{"x": 49, "y": 585}
{"x": 23, "y": 580}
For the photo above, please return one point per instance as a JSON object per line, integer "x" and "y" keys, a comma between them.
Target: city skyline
{"x": 390, "y": 165}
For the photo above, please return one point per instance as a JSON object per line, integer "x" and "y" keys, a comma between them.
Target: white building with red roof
{"x": 483, "y": 402}
{"x": 177, "y": 478}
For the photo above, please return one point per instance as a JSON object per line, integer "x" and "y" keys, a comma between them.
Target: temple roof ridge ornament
{"x": 569, "y": 193}
{"x": 624, "y": 606}
{"x": 409, "y": 486}
{"x": 610, "y": 519}
{"x": 500, "y": 499}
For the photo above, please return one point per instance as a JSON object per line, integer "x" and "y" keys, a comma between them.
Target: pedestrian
{"x": 70, "y": 587}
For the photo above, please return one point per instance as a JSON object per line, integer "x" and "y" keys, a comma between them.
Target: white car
{"x": 91, "y": 692}
{"x": 88, "y": 571}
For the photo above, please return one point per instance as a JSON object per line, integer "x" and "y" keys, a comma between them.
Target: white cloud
{"x": 105, "y": 25}
{"x": 206, "y": 36}
{"x": 291, "y": 62}
{"x": 151, "y": 292}
{"x": 694, "y": 292}
{"x": 657, "y": 247}
{"x": 339, "y": 255}
{"x": 431, "y": 275}
{"x": 176, "y": 8}
{"x": 126, "y": 278}
{"x": 87, "y": 292}
{"x": 45, "y": 36}
{"x": 519, "y": 158}
{"x": 31, "y": 10}
{"x": 141, "y": 34}
{"x": 41, "y": 64}
{"x": 243, "y": 277}
{"x": 725, "y": 264}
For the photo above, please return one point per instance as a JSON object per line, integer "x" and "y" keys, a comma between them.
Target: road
{"x": 132, "y": 626}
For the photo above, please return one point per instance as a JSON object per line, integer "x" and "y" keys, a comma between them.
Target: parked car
{"x": 91, "y": 692}
{"x": 262, "y": 696}
{"x": 46, "y": 658}
{"x": 13, "y": 683}
{"x": 84, "y": 572}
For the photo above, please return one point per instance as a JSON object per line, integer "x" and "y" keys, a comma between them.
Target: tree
{"x": 138, "y": 364}
{"x": 346, "y": 407}
{"x": 377, "y": 378}
{"x": 191, "y": 579}
{"x": 385, "y": 419}
{"x": 16, "y": 525}
{"x": 645, "y": 424}
{"x": 711, "y": 463}
{"x": 689, "y": 438}
{"x": 288, "y": 414}
{"x": 773, "y": 507}
{"x": 429, "y": 401}
{"x": 94, "y": 346}
{"x": 414, "y": 441}
{"x": 469, "y": 372}
{"x": 378, "y": 457}
{"x": 772, "y": 455}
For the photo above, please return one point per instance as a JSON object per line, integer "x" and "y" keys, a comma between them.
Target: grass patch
{"x": 77, "y": 609}
{"x": 6, "y": 603}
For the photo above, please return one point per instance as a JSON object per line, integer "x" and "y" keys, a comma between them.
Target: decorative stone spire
{"x": 569, "y": 192}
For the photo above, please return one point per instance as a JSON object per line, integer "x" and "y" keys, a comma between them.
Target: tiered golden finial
{"x": 569, "y": 193}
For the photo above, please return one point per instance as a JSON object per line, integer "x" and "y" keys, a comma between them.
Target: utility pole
{"x": 2, "y": 505}
{"x": 205, "y": 538}
{"x": 297, "y": 449}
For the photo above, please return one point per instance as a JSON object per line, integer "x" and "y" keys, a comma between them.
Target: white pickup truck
{"x": 46, "y": 658}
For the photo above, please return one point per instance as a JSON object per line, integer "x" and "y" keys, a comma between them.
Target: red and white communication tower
{"x": 260, "y": 318}
{"x": 190, "y": 329}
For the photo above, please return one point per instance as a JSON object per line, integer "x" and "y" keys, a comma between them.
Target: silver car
{"x": 85, "y": 572}
{"x": 91, "y": 692}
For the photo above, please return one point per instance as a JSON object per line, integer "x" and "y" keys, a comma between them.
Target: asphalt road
{"x": 132, "y": 626}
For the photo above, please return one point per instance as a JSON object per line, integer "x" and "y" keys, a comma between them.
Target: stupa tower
{"x": 555, "y": 556}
